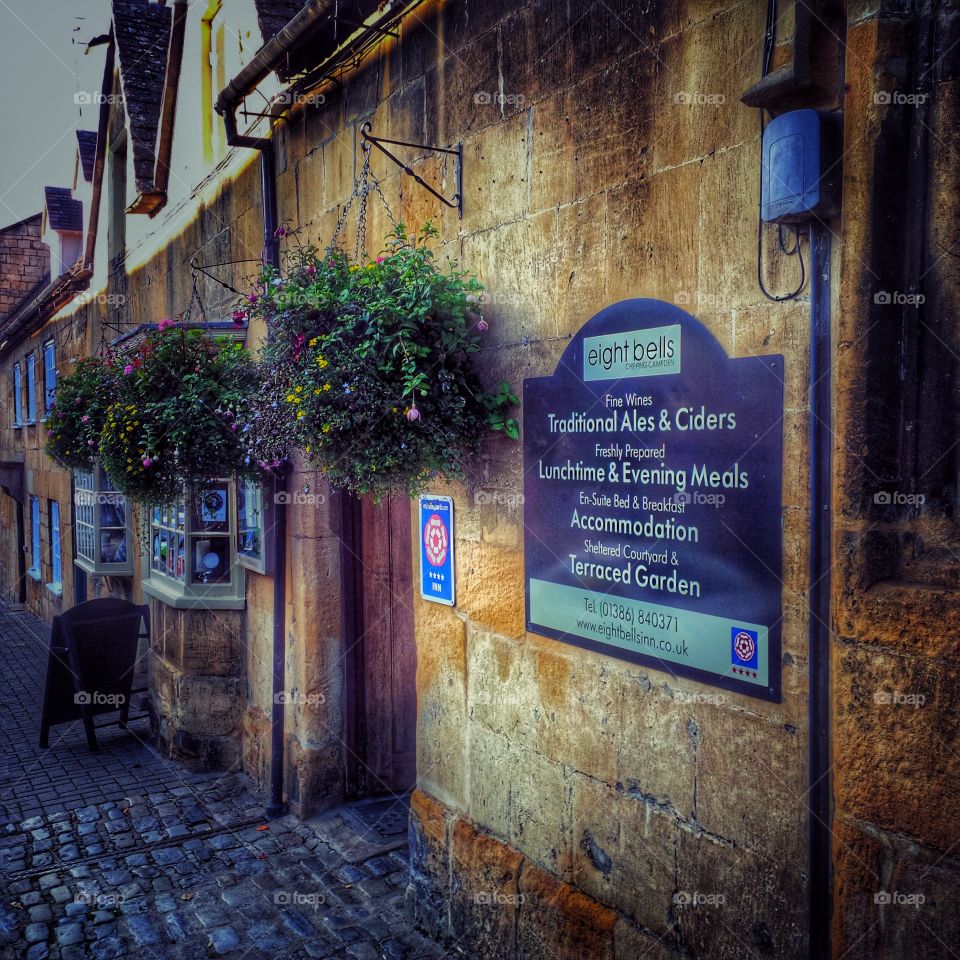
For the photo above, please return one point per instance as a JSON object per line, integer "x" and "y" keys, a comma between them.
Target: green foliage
{"x": 177, "y": 414}
{"x": 376, "y": 359}
{"x": 79, "y": 412}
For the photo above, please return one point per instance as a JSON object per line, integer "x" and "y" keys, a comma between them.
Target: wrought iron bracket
{"x": 368, "y": 141}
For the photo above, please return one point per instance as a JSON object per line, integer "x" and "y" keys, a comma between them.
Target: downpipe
{"x": 819, "y": 799}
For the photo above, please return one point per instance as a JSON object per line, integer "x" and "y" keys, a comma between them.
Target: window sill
{"x": 172, "y": 597}
{"x": 17, "y": 425}
{"x": 104, "y": 569}
{"x": 56, "y": 589}
{"x": 34, "y": 574}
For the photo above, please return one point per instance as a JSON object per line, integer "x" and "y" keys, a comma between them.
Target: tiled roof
{"x": 63, "y": 212}
{"x": 142, "y": 32}
{"x": 273, "y": 15}
{"x": 87, "y": 145}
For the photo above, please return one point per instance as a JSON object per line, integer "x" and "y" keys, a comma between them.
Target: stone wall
{"x": 24, "y": 261}
{"x": 568, "y": 802}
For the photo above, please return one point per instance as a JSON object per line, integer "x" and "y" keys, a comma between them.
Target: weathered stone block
{"x": 484, "y": 893}
{"x": 429, "y": 890}
{"x": 559, "y": 922}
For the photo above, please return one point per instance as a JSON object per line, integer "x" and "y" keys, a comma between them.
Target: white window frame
{"x": 256, "y": 560}
{"x": 35, "y": 561}
{"x": 17, "y": 395}
{"x": 49, "y": 375}
{"x": 92, "y": 490}
{"x": 31, "y": 363}
{"x": 55, "y": 586}
{"x": 178, "y": 590}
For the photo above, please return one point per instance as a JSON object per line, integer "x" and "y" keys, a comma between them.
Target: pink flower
{"x": 128, "y": 369}
{"x": 165, "y": 323}
{"x": 379, "y": 259}
{"x": 238, "y": 317}
{"x": 89, "y": 443}
{"x": 311, "y": 270}
{"x": 413, "y": 414}
{"x": 85, "y": 418}
{"x": 147, "y": 462}
{"x": 251, "y": 298}
{"x": 482, "y": 325}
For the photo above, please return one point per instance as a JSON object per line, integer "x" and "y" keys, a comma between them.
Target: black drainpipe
{"x": 819, "y": 801}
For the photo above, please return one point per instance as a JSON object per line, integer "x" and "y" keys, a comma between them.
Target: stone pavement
{"x": 123, "y": 853}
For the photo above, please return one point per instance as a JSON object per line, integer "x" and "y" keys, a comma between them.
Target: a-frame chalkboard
{"x": 91, "y": 664}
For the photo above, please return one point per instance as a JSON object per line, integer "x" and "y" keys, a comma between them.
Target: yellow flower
{"x": 298, "y": 390}
{"x": 321, "y": 363}
{"x": 326, "y": 428}
{"x": 354, "y": 268}
{"x": 314, "y": 341}
{"x": 290, "y": 398}
{"x": 317, "y": 392}
{"x": 299, "y": 414}
{"x": 326, "y": 387}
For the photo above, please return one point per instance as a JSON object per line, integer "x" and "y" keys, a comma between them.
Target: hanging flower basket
{"x": 75, "y": 422}
{"x": 177, "y": 413}
{"x": 376, "y": 360}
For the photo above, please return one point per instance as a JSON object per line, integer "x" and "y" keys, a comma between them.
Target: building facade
{"x": 566, "y": 803}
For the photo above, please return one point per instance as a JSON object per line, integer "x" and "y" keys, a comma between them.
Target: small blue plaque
{"x": 437, "y": 578}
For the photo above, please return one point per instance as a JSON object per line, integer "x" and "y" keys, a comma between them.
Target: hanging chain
{"x": 362, "y": 188}
{"x": 194, "y": 297}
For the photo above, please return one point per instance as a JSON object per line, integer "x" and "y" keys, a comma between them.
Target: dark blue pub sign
{"x": 652, "y": 499}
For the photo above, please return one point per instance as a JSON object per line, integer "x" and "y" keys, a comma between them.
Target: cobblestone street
{"x": 124, "y": 853}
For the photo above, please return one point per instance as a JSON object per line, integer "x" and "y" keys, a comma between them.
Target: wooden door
{"x": 381, "y": 737}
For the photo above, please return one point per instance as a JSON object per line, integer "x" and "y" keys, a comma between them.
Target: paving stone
{"x": 224, "y": 939}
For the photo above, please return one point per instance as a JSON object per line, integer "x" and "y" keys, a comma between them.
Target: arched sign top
{"x": 652, "y": 498}
{"x": 644, "y": 314}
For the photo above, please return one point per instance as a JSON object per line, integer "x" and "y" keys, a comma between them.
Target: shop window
{"x": 104, "y": 529}
{"x": 34, "y": 570}
{"x": 17, "y": 395}
{"x": 49, "y": 375}
{"x": 253, "y": 527}
{"x": 56, "y": 553}
{"x": 31, "y": 388}
{"x": 191, "y": 559}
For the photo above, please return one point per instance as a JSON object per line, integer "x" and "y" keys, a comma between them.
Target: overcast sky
{"x": 42, "y": 69}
